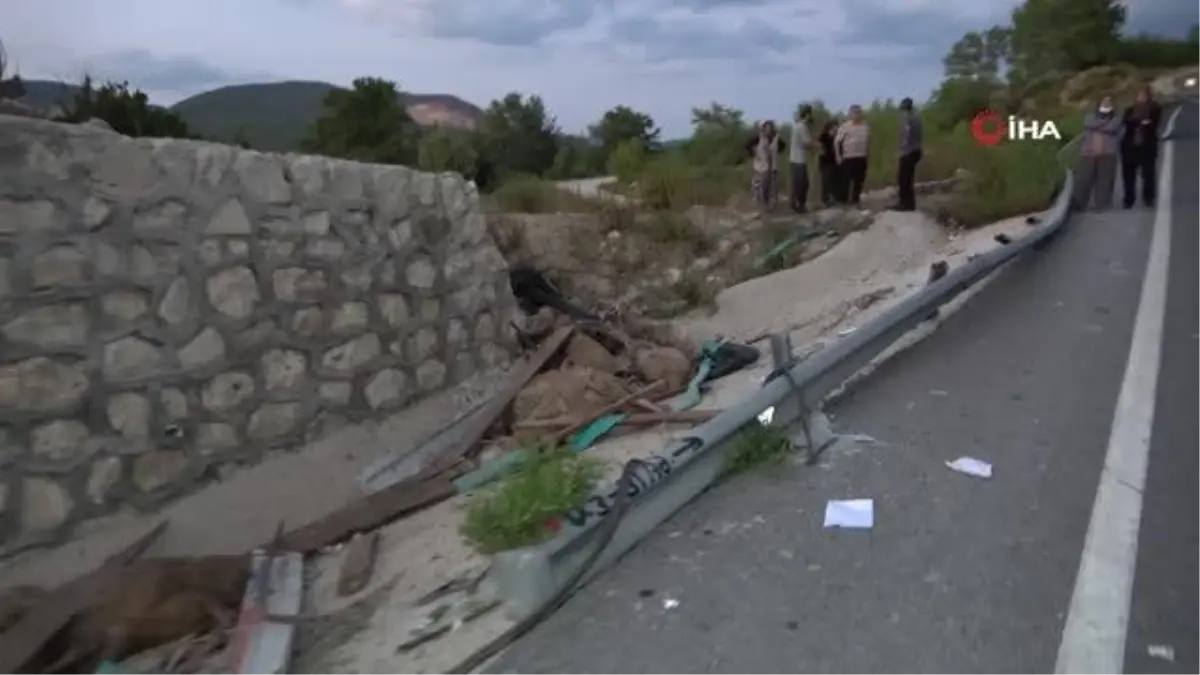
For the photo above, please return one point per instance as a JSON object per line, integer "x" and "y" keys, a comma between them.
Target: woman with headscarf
{"x": 1098, "y": 157}
{"x": 765, "y": 149}
{"x": 1139, "y": 148}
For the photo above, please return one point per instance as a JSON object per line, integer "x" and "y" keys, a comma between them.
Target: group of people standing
{"x": 842, "y": 149}
{"x": 1130, "y": 140}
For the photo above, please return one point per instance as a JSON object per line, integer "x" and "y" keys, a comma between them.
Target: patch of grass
{"x": 530, "y": 194}
{"x": 695, "y": 293}
{"x": 514, "y": 513}
{"x": 758, "y": 446}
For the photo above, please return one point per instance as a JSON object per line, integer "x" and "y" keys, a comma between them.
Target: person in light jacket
{"x": 1097, "y": 170}
{"x": 853, "y": 145}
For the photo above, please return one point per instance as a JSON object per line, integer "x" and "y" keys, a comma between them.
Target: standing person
{"x": 802, "y": 142}
{"x": 765, "y": 149}
{"x": 827, "y": 162}
{"x": 911, "y": 137}
{"x": 1098, "y": 156}
{"x": 853, "y": 144}
{"x": 1139, "y": 148}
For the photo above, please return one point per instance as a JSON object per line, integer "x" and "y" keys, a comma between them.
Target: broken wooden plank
{"x": 368, "y": 513}
{"x": 276, "y": 585}
{"x": 22, "y": 643}
{"x": 582, "y": 422}
{"x": 498, "y": 404}
{"x": 358, "y": 564}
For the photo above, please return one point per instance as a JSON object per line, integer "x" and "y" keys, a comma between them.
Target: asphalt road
{"x": 958, "y": 574}
{"x": 1165, "y": 591}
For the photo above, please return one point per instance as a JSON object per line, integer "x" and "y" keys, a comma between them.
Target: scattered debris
{"x": 261, "y": 642}
{"x": 856, "y": 514}
{"x": 24, "y": 641}
{"x": 1164, "y": 652}
{"x": 358, "y": 563}
{"x": 971, "y": 467}
{"x": 938, "y": 392}
{"x": 670, "y": 603}
{"x": 847, "y": 331}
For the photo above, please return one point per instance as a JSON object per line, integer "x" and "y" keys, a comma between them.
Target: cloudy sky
{"x": 581, "y": 56}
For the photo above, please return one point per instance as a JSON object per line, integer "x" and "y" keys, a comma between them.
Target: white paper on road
{"x": 971, "y": 467}
{"x": 850, "y": 513}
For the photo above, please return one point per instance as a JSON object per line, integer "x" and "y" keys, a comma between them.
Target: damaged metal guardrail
{"x": 536, "y": 580}
{"x": 531, "y": 577}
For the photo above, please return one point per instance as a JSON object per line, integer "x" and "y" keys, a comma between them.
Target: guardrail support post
{"x": 815, "y": 433}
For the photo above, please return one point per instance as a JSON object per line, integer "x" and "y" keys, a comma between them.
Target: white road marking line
{"x": 1093, "y": 639}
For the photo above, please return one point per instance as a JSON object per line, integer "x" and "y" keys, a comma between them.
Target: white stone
{"x": 205, "y": 349}
{"x": 230, "y": 219}
{"x": 234, "y": 292}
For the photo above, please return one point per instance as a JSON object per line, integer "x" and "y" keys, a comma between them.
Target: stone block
{"x": 41, "y": 384}
{"x": 45, "y": 505}
{"x": 350, "y": 357}
{"x": 273, "y": 420}
{"x": 103, "y": 476}
{"x": 156, "y": 470}
{"x": 64, "y": 265}
{"x": 283, "y": 369}
{"x": 131, "y": 358}
{"x": 386, "y": 389}
{"x": 124, "y": 306}
{"x": 350, "y": 318}
{"x": 129, "y": 415}
{"x": 207, "y": 348}
{"x": 298, "y": 284}
{"x": 60, "y": 441}
{"x": 227, "y": 391}
{"x": 234, "y": 292}
{"x": 229, "y": 219}
{"x": 51, "y": 327}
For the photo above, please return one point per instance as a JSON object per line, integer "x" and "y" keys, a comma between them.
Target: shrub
{"x": 516, "y": 512}
{"x": 627, "y": 160}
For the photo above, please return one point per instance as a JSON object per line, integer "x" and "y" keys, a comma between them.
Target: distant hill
{"x": 272, "y": 116}
{"x": 276, "y": 116}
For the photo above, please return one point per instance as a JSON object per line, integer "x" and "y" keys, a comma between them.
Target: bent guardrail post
{"x": 529, "y": 578}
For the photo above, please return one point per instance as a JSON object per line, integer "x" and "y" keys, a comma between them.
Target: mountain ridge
{"x": 271, "y": 116}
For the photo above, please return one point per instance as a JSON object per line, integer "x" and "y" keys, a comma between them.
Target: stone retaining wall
{"x": 168, "y": 307}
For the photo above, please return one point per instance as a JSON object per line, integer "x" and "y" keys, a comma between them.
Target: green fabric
{"x": 796, "y": 238}
{"x": 595, "y": 431}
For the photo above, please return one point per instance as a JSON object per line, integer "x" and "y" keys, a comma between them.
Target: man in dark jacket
{"x": 1139, "y": 148}
{"x": 911, "y": 137}
{"x": 831, "y": 184}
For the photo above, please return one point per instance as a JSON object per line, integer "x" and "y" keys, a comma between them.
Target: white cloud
{"x": 582, "y": 56}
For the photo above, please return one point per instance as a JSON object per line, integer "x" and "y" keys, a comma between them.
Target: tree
{"x": 717, "y": 116}
{"x": 719, "y": 135}
{"x": 241, "y": 138}
{"x": 367, "y": 123}
{"x": 445, "y": 150}
{"x": 979, "y": 55}
{"x": 127, "y": 111}
{"x": 624, "y": 124}
{"x": 1065, "y": 35}
{"x": 519, "y": 136}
